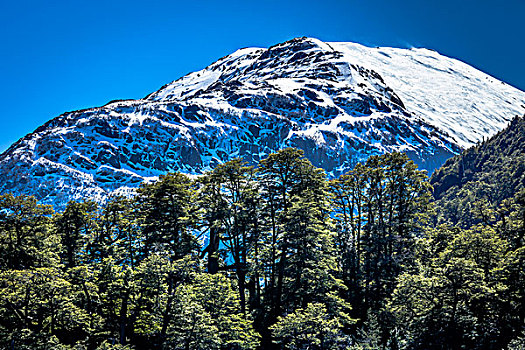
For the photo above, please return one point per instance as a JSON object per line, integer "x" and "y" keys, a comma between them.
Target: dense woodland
{"x": 473, "y": 188}
{"x": 274, "y": 256}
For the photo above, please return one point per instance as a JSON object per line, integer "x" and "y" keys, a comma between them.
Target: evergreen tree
{"x": 26, "y": 237}
{"x": 453, "y": 300}
{"x": 168, "y": 215}
{"x": 287, "y": 254}
{"x": 118, "y": 233}
{"x": 311, "y": 328}
{"x": 38, "y": 306}
{"x": 297, "y": 263}
{"x": 380, "y": 210}
{"x": 230, "y": 202}
{"x": 75, "y": 226}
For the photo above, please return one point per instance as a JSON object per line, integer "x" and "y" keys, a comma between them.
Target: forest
{"x": 271, "y": 256}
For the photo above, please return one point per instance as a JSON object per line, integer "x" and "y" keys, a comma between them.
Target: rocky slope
{"x": 340, "y": 102}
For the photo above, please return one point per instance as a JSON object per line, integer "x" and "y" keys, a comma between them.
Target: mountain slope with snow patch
{"x": 339, "y": 102}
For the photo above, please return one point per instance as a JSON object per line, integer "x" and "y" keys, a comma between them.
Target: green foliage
{"x": 381, "y": 209}
{"x": 289, "y": 260}
{"x": 481, "y": 178}
{"x": 75, "y": 225}
{"x": 41, "y": 301}
{"x": 459, "y": 296}
{"x": 311, "y": 328}
{"x": 106, "y": 345}
{"x": 117, "y": 234}
{"x": 208, "y": 316}
{"x": 26, "y": 238}
{"x": 167, "y": 213}
{"x": 310, "y": 254}
{"x": 297, "y": 261}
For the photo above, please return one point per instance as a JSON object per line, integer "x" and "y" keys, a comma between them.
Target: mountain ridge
{"x": 340, "y": 102}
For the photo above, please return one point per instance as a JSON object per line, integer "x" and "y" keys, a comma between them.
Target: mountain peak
{"x": 300, "y": 44}
{"x": 339, "y": 102}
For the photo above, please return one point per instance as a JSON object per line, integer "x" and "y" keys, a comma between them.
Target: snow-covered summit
{"x": 455, "y": 97}
{"x": 340, "y": 102}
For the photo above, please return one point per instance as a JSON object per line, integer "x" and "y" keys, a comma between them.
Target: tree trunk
{"x": 213, "y": 247}
{"x": 123, "y": 317}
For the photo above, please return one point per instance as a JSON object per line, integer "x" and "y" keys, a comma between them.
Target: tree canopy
{"x": 270, "y": 256}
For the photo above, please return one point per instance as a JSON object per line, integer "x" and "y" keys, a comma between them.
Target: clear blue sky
{"x": 57, "y": 56}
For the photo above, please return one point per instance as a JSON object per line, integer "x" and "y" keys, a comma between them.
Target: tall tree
{"x": 168, "y": 209}
{"x": 118, "y": 234}
{"x": 349, "y": 192}
{"x": 231, "y": 206}
{"x": 298, "y": 264}
{"x": 26, "y": 237}
{"x": 380, "y": 209}
{"x": 75, "y": 226}
{"x": 313, "y": 328}
{"x": 450, "y": 300}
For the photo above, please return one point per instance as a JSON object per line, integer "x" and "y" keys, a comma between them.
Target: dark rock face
{"x": 301, "y": 93}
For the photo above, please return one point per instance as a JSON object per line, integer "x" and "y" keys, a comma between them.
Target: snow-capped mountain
{"x": 339, "y": 102}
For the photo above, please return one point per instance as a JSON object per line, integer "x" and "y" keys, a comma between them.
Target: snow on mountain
{"x": 464, "y": 102}
{"x": 339, "y": 102}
